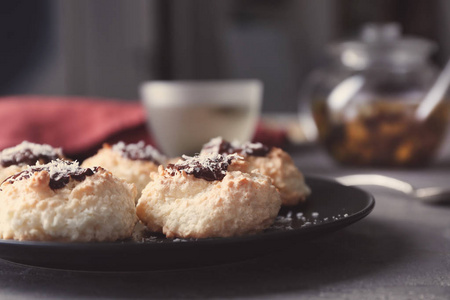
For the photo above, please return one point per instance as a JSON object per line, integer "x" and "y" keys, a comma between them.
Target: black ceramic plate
{"x": 330, "y": 207}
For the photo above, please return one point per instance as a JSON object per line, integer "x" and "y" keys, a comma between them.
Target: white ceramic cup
{"x": 183, "y": 115}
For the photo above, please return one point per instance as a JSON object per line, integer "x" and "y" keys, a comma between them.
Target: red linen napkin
{"x": 81, "y": 125}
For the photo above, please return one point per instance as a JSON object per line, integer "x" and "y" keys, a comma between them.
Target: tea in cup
{"x": 184, "y": 115}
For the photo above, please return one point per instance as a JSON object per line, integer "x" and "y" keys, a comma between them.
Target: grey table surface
{"x": 400, "y": 251}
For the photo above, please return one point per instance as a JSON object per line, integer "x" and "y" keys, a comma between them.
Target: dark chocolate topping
{"x": 221, "y": 146}
{"x": 60, "y": 173}
{"x": 254, "y": 149}
{"x": 139, "y": 151}
{"x": 28, "y": 154}
{"x": 207, "y": 167}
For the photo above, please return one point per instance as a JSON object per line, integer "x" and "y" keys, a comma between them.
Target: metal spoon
{"x": 431, "y": 195}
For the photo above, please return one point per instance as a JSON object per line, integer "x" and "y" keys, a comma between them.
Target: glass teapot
{"x": 362, "y": 104}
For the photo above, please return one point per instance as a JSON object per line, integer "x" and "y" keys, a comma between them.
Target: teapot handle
{"x": 305, "y": 113}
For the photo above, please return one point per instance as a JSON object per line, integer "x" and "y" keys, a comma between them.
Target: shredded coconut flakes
{"x": 60, "y": 172}
{"x": 208, "y": 166}
{"x": 139, "y": 151}
{"x": 27, "y": 151}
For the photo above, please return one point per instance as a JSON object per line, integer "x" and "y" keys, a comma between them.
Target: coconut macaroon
{"x": 131, "y": 162}
{"x": 18, "y": 158}
{"x": 272, "y": 162}
{"x": 201, "y": 197}
{"x": 61, "y": 201}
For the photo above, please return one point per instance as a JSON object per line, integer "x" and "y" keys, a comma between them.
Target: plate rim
{"x": 270, "y": 235}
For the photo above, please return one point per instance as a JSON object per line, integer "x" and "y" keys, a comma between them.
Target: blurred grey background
{"x": 106, "y": 48}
